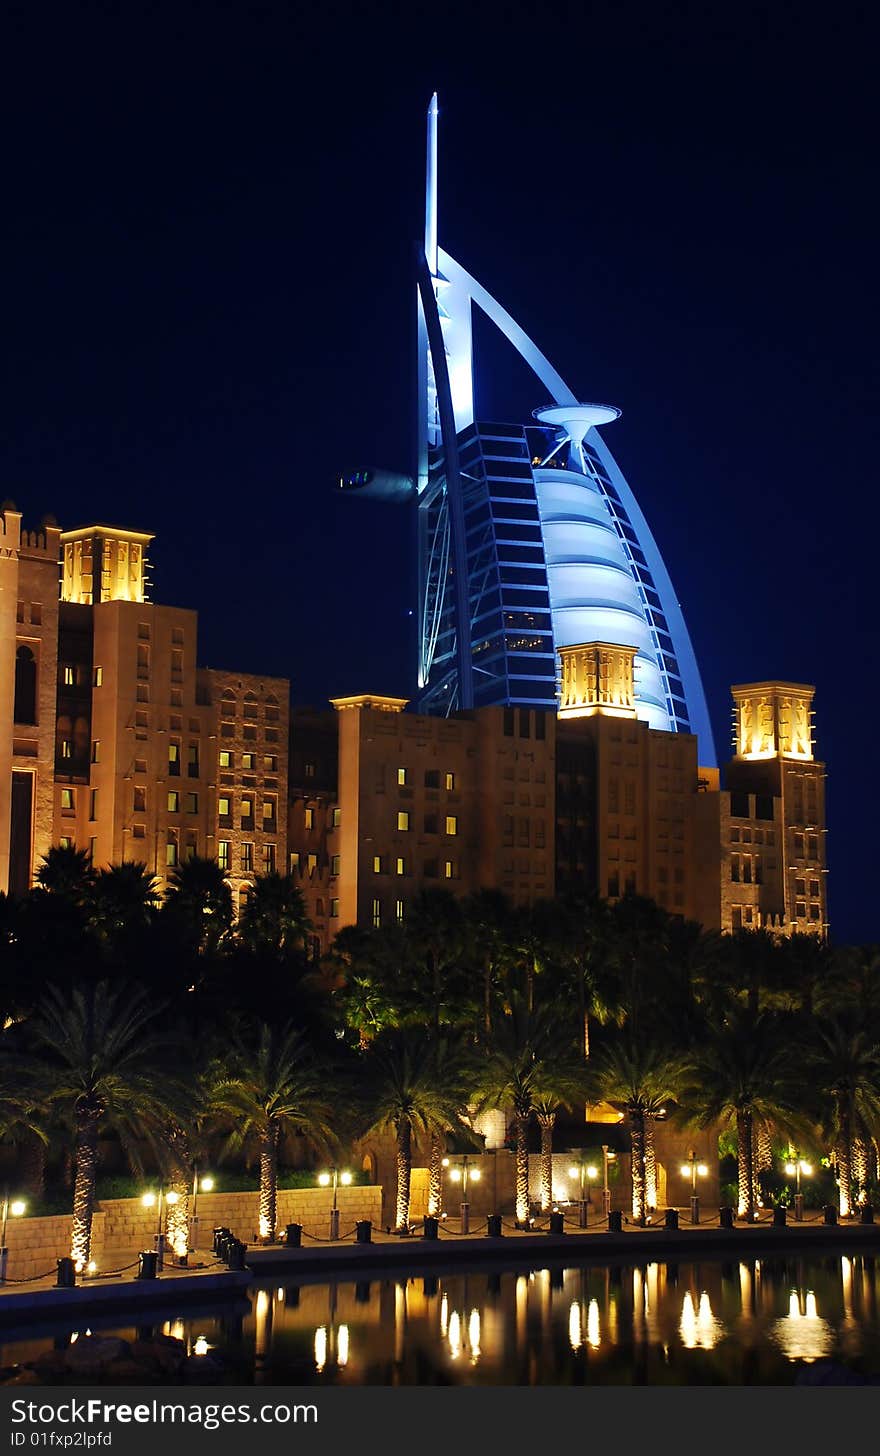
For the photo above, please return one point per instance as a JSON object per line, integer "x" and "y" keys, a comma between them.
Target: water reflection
{"x": 751, "y": 1321}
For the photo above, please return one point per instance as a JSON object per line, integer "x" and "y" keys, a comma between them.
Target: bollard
{"x": 465, "y": 1224}
{"x": 695, "y": 1209}
{"x": 779, "y": 1217}
{"x": 725, "y": 1217}
{"x": 671, "y": 1218}
{"x": 363, "y": 1231}
{"x": 4, "y": 1259}
{"x": 223, "y": 1243}
{"x": 66, "y": 1277}
{"x": 557, "y": 1223}
{"x": 430, "y": 1226}
{"x": 161, "y": 1250}
{"x": 583, "y": 1213}
{"x": 799, "y": 1207}
{"x": 219, "y": 1232}
{"x": 334, "y": 1223}
{"x": 493, "y": 1226}
{"x": 829, "y": 1213}
{"x": 294, "y": 1235}
{"x": 615, "y": 1221}
{"x": 147, "y": 1260}
{"x": 237, "y": 1252}
{"x": 867, "y": 1214}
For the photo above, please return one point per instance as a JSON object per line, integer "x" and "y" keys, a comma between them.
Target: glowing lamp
{"x": 17, "y": 1207}
{"x": 475, "y": 1175}
{"x": 206, "y": 1184}
{"x": 149, "y": 1200}
{"x": 324, "y": 1179}
{"x": 345, "y": 1179}
{"x": 455, "y": 1175}
{"x": 592, "y": 1172}
{"x": 172, "y": 1198}
{"x": 791, "y": 1169}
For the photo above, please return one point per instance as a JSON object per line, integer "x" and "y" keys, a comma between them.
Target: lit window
{"x": 247, "y": 760}
{"x": 173, "y": 801}
{"x": 401, "y": 866}
{"x": 403, "y": 819}
{"x": 247, "y": 858}
{"x": 69, "y": 677}
{"x": 96, "y": 751}
{"x": 450, "y": 781}
{"x": 337, "y": 818}
{"x": 174, "y": 759}
{"x": 449, "y": 869}
{"x": 377, "y": 914}
{"x": 311, "y": 864}
{"x": 335, "y": 862}
{"x": 247, "y": 809}
{"x": 401, "y": 775}
{"x": 451, "y": 823}
{"x": 192, "y": 803}
{"x": 309, "y": 818}
{"x": 334, "y": 909}
{"x": 98, "y": 676}
{"x": 293, "y": 860}
{"x": 171, "y": 852}
{"x": 269, "y": 859}
{"x": 398, "y": 911}
{"x": 66, "y": 842}
{"x": 67, "y": 748}
{"x": 93, "y": 803}
{"x": 223, "y": 848}
{"x": 270, "y": 763}
{"x": 269, "y": 812}
{"x": 67, "y": 799}
{"x": 226, "y": 759}
{"x": 377, "y": 864}
{"x": 223, "y": 806}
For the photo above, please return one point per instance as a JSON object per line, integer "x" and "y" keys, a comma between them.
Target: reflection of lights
{"x": 574, "y": 1325}
{"x": 593, "y": 1336}
{"x": 699, "y": 1327}
{"x": 444, "y": 1316}
{"x": 342, "y": 1346}
{"x": 454, "y": 1335}
{"x": 474, "y": 1335}
{"x": 802, "y": 1336}
{"x": 320, "y": 1348}
{"x": 201, "y": 1346}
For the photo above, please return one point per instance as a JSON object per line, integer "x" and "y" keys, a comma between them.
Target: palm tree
{"x": 846, "y": 1064}
{"x": 742, "y": 1075}
{"x": 488, "y": 919}
{"x": 274, "y": 919}
{"x": 68, "y": 872}
{"x": 527, "y": 1043}
{"x": 198, "y": 903}
{"x": 414, "y": 1084}
{"x": 559, "y": 1083}
{"x": 363, "y": 971}
{"x": 271, "y": 1084}
{"x": 103, "y": 1059}
{"x": 638, "y": 1079}
{"x": 580, "y": 953}
{"x": 124, "y": 899}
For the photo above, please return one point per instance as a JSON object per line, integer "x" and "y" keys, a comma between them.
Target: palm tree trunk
{"x": 268, "y": 1185}
{"x": 545, "y": 1122}
{"x": 745, "y": 1166}
{"x": 435, "y": 1177}
{"x": 637, "y": 1146}
{"x": 843, "y": 1155}
{"x": 487, "y": 995}
{"x": 86, "y": 1162}
{"x": 522, "y": 1171}
{"x": 177, "y": 1220}
{"x": 404, "y": 1167}
{"x": 860, "y": 1169}
{"x": 650, "y": 1166}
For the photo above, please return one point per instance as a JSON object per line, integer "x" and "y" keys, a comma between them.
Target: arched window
{"x": 25, "y": 686}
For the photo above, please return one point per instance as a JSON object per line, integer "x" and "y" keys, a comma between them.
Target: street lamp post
{"x": 160, "y": 1202}
{"x": 200, "y": 1185}
{"x": 585, "y": 1173}
{"x": 794, "y": 1168}
{"x": 460, "y": 1171}
{"x": 334, "y": 1177}
{"x": 16, "y": 1207}
{"x": 607, "y": 1157}
{"x": 694, "y": 1170}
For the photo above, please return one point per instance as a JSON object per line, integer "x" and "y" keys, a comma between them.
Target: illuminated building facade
{"x": 112, "y": 739}
{"x": 530, "y": 538}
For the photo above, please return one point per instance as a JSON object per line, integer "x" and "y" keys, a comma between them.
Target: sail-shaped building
{"x": 529, "y": 537}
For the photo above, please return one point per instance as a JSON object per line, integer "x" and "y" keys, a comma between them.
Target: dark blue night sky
{"x": 208, "y": 308}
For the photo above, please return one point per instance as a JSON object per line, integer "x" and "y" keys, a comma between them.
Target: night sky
{"x": 208, "y": 309}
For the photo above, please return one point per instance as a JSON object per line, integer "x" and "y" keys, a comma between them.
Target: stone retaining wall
{"x": 122, "y": 1227}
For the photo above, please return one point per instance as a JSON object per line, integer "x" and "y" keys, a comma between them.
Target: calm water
{"x": 768, "y": 1321}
